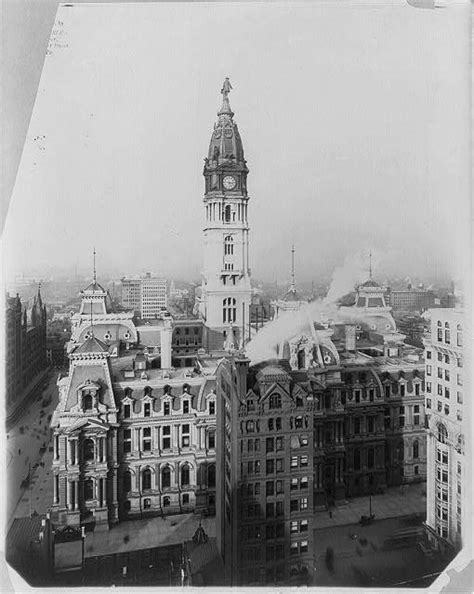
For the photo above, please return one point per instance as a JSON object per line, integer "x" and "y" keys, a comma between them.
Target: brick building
{"x": 336, "y": 414}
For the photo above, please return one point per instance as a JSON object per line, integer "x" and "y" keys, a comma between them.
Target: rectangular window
{"x": 459, "y": 397}
{"x": 166, "y": 408}
{"x": 428, "y": 370}
{"x": 270, "y": 466}
{"x": 428, "y": 354}
{"x": 446, "y": 393}
{"x": 212, "y": 408}
{"x": 459, "y": 468}
{"x": 279, "y": 487}
{"x": 294, "y": 461}
{"x": 428, "y": 403}
{"x": 146, "y": 439}
{"x": 304, "y": 546}
{"x": 127, "y": 440}
{"x": 304, "y": 526}
{"x": 459, "y": 379}
{"x": 428, "y": 387}
{"x": 126, "y": 411}
{"x": 440, "y": 390}
{"x": 294, "y": 484}
{"x": 269, "y": 444}
{"x": 294, "y": 548}
{"x": 357, "y": 396}
{"x": 371, "y": 424}
{"x": 304, "y": 461}
{"x": 440, "y": 406}
{"x": 280, "y": 508}
{"x": 185, "y": 407}
{"x": 417, "y": 389}
{"x": 257, "y": 467}
{"x": 440, "y": 373}
{"x": 249, "y": 467}
{"x": 440, "y": 356}
{"x": 304, "y": 503}
{"x": 270, "y": 490}
{"x": 279, "y": 443}
{"x": 166, "y": 437}
{"x": 387, "y": 391}
{"x": 279, "y": 465}
{"x": 185, "y": 436}
{"x": 293, "y": 527}
{"x": 270, "y": 510}
{"x": 446, "y": 375}
{"x": 402, "y": 390}
{"x": 257, "y": 444}
{"x": 304, "y": 482}
{"x": 250, "y": 445}
{"x": 446, "y": 409}
{"x": 293, "y": 505}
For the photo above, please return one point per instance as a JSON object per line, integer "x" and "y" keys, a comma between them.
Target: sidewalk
{"x": 395, "y": 502}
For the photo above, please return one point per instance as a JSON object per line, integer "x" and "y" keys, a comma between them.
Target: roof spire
{"x": 293, "y": 267}
{"x": 370, "y": 264}
{"x": 226, "y": 109}
{"x": 95, "y": 274}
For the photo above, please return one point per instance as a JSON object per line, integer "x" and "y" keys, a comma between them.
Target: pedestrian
{"x": 19, "y": 452}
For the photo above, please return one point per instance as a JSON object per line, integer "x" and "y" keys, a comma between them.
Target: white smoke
{"x": 354, "y": 271}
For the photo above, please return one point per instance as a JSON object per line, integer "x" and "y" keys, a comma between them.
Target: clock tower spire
{"x": 226, "y": 291}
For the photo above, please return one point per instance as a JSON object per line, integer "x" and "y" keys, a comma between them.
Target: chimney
{"x": 165, "y": 338}
{"x": 350, "y": 337}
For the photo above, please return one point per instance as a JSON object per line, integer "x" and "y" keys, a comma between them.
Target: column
{"x": 55, "y": 489}
{"x": 76, "y": 495}
{"x": 70, "y": 499}
{"x": 97, "y": 443}
{"x": 97, "y": 489}
{"x": 176, "y": 444}
{"x": 66, "y": 492}
{"x": 69, "y": 451}
{"x": 137, "y": 439}
{"x": 75, "y": 450}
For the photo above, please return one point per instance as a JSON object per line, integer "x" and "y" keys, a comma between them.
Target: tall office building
{"x": 146, "y": 295}
{"x": 446, "y": 428}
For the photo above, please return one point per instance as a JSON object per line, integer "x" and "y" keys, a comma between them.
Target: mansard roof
{"x": 92, "y": 345}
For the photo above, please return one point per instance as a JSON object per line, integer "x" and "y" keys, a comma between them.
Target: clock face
{"x": 229, "y": 182}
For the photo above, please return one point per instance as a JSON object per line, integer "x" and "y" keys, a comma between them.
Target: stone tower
{"x": 226, "y": 291}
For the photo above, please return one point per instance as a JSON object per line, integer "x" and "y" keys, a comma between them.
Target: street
{"x": 26, "y": 443}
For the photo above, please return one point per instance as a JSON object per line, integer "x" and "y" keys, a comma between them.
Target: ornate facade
{"x": 131, "y": 441}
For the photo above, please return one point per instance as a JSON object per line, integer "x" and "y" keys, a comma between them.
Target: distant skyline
{"x": 354, "y": 124}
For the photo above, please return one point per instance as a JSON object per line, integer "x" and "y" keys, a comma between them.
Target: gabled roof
{"x": 92, "y": 345}
{"x": 95, "y": 287}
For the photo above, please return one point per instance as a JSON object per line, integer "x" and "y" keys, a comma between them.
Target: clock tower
{"x": 226, "y": 291}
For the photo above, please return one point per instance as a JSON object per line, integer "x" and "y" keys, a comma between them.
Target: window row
{"x": 163, "y": 438}
{"x": 144, "y": 481}
{"x": 167, "y": 408}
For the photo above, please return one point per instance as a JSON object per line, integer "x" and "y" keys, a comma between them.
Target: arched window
{"x": 301, "y": 359}
{"x": 229, "y": 245}
{"x": 185, "y": 475}
{"x": 146, "y": 479}
{"x": 229, "y": 310}
{"x": 416, "y": 449}
{"x": 166, "y": 478}
{"x": 88, "y": 449}
{"x": 166, "y": 501}
{"x": 211, "y": 476}
{"x": 442, "y": 433}
{"x": 275, "y": 401}
{"x": 87, "y": 401}
{"x": 227, "y": 214}
{"x": 88, "y": 489}
{"x": 127, "y": 481}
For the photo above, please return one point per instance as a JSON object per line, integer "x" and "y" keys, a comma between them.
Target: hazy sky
{"x": 355, "y": 122}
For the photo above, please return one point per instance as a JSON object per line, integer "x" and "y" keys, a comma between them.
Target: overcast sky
{"x": 355, "y": 123}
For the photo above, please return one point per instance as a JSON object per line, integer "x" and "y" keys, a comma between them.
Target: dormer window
{"x": 147, "y": 409}
{"x": 167, "y": 408}
{"x": 126, "y": 411}
{"x": 185, "y": 407}
{"x": 88, "y": 402}
{"x": 212, "y": 407}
